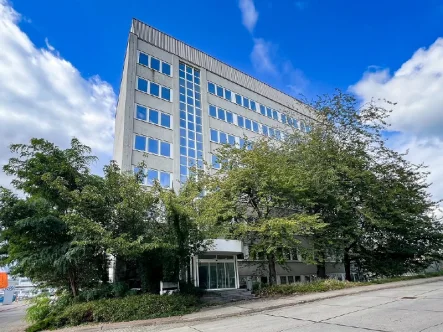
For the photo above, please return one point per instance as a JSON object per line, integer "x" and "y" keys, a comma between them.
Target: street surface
{"x": 416, "y": 308}
{"x": 12, "y": 317}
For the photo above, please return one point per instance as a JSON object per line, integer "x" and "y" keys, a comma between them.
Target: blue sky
{"x": 330, "y": 43}
{"x": 61, "y": 61}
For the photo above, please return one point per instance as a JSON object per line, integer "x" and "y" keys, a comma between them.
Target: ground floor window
{"x": 289, "y": 279}
{"x": 216, "y": 275}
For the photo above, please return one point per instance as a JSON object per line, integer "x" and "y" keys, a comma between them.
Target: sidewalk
{"x": 12, "y": 306}
{"x": 249, "y": 307}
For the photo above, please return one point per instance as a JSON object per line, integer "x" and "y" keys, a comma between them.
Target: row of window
{"x": 255, "y": 106}
{"x": 152, "y": 145}
{"x": 152, "y": 175}
{"x": 244, "y": 122}
{"x": 223, "y": 138}
{"x": 154, "y": 89}
{"x": 154, "y": 63}
{"x": 153, "y": 116}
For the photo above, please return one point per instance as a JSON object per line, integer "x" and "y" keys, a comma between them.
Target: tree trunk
{"x": 272, "y": 271}
{"x": 73, "y": 283}
{"x": 347, "y": 263}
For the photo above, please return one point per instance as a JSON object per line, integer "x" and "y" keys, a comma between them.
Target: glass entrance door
{"x": 216, "y": 275}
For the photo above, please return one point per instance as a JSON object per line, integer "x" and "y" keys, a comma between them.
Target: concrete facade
{"x": 152, "y": 43}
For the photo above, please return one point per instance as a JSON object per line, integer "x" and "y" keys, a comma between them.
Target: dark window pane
{"x": 262, "y": 110}
{"x": 221, "y": 114}
{"x": 152, "y": 146}
{"x": 153, "y": 116}
{"x": 155, "y": 89}
{"x": 228, "y": 95}
{"x": 269, "y": 112}
{"x": 290, "y": 279}
{"x": 214, "y": 135}
{"x": 219, "y": 91}
{"x": 142, "y": 85}
{"x": 283, "y": 118}
{"x": 182, "y": 66}
{"x": 255, "y": 126}
{"x": 240, "y": 121}
{"x": 140, "y": 143}
{"x": 143, "y": 59}
{"x": 166, "y": 120}
{"x": 229, "y": 117}
{"x": 155, "y": 63}
{"x": 248, "y": 124}
{"x": 246, "y": 102}
{"x": 141, "y": 113}
{"x": 211, "y": 87}
{"x": 275, "y": 115}
{"x": 166, "y": 93}
{"x": 283, "y": 280}
{"x": 166, "y": 68}
{"x": 212, "y": 111}
{"x": 238, "y": 99}
{"x": 253, "y": 107}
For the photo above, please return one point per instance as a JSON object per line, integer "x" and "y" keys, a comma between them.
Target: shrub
{"x": 40, "y": 308}
{"x": 121, "y": 309}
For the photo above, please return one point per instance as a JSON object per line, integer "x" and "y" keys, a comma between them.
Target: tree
{"x": 256, "y": 197}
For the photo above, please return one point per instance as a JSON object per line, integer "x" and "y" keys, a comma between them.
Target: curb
{"x": 295, "y": 301}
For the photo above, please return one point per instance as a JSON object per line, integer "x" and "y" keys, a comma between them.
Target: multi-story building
{"x": 178, "y": 105}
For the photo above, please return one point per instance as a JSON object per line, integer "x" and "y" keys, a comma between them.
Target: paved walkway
{"x": 12, "y": 317}
{"x": 415, "y": 305}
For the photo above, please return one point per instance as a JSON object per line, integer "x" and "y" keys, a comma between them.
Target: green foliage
{"x": 118, "y": 310}
{"x": 40, "y": 308}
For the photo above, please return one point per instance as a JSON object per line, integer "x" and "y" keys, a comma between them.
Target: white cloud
{"x": 261, "y": 56}
{"x": 44, "y": 95}
{"x": 417, "y": 88}
{"x": 249, "y": 14}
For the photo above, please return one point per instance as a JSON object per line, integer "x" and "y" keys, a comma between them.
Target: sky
{"x": 61, "y": 61}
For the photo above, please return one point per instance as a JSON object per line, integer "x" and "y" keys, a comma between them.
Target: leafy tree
{"x": 256, "y": 197}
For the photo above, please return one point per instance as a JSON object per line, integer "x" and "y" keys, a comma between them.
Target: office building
{"x": 178, "y": 104}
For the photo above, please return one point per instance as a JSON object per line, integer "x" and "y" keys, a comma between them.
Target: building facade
{"x": 177, "y": 105}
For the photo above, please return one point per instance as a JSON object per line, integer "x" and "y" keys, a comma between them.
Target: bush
{"x": 121, "y": 309}
{"x": 300, "y": 288}
{"x": 190, "y": 289}
{"x": 40, "y": 308}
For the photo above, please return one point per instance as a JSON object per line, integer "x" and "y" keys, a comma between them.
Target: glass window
{"x": 278, "y": 134}
{"x": 181, "y": 75}
{"x": 228, "y": 95}
{"x": 189, "y": 69}
{"x": 155, "y": 89}
{"x": 141, "y": 113}
{"x": 190, "y": 100}
{"x": 253, "y": 106}
{"x": 262, "y": 110}
{"x": 153, "y": 116}
{"x": 152, "y": 176}
{"x": 196, "y": 73}
{"x": 166, "y": 93}
{"x": 182, "y": 151}
{"x": 196, "y": 80}
{"x": 283, "y": 118}
{"x": 165, "y": 179}
{"x": 155, "y": 63}
{"x": 264, "y": 130}
{"x": 302, "y": 126}
{"x": 269, "y": 112}
{"x": 182, "y": 123}
{"x": 271, "y": 132}
{"x": 275, "y": 115}
{"x": 152, "y": 145}
{"x": 248, "y": 124}
{"x": 191, "y": 144}
{"x": 289, "y": 119}
{"x": 290, "y": 279}
{"x": 200, "y": 146}
{"x": 223, "y": 138}
{"x": 197, "y": 96}
{"x": 189, "y": 77}
{"x": 295, "y": 123}
{"x": 191, "y": 153}
{"x": 297, "y": 279}
{"x": 166, "y": 68}
{"x": 283, "y": 280}
{"x": 219, "y": 91}
{"x": 165, "y": 149}
{"x": 214, "y": 135}
{"x": 143, "y": 59}
{"x": 238, "y": 99}
{"x": 165, "y": 120}
{"x": 140, "y": 143}
{"x": 142, "y": 85}
{"x": 240, "y": 121}
{"x": 231, "y": 139}
{"x": 182, "y": 66}
{"x": 182, "y": 98}
{"x": 140, "y": 172}
{"x": 246, "y": 102}
{"x": 215, "y": 163}
{"x": 241, "y": 142}
{"x": 212, "y": 111}
{"x": 229, "y": 117}
{"x": 198, "y": 120}
{"x": 221, "y": 114}
{"x": 255, "y": 126}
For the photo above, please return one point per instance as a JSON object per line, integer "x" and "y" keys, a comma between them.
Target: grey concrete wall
{"x": 259, "y": 268}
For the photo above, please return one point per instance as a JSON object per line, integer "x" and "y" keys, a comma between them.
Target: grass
{"x": 331, "y": 284}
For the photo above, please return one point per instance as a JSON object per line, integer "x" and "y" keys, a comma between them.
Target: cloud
{"x": 417, "y": 88}
{"x": 44, "y": 95}
{"x": 261, "y": 56}
{"x": 249, "y": 14}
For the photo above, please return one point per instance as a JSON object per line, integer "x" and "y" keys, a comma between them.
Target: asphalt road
{"x": 416, "y": 308}
{"x": 12, "y": 317}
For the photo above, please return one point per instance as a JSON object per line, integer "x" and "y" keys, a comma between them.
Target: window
{"x": 255, "y": 126}
{"x": 240, "y": 121}
{"x": 142, "y": 85}
{"x": 166, "y": 93}
{"x": 165, "y": 120}
{"x": 290, "y": 279}
{"x": 154, "y": 89}
{"x": 278, "y": 134}
{"x": 229, "y": 117}
{"x": 152, "y": 146}
{"x": 275, "y": 115}
{"x": 219, "y": 91}
{"x": 215, "y": 163}
{"x": 264, "y": 130}
{"x": 248, "y": 124}
{"x": 283, "y": 280}
{"x": 214, "y": 135}
{"x": 143, "y": 59}
{"x": 268, "y": 112}
{"x": 152, "y": 177}
{"x": 231, "y": 139}
{"x": 165, "y": 179}
{"x": 165, "y": 149}
{"x": 246, "y": 102}
{"x": 241, "y": 142}
{"x": 223, "y": 138}
{"x": 153, "y": 116}
{"x": 238, "y": 99}
{"x": 271, "y": 132}
{"x": 253, "y": 107}
{"x": 211, "y": 87}
{"x": 283, "y": 118}
{"x": 221, "y": 114}
{"x": 302, "y": 126}
{"x": 155, "y": 63}
{"x": 166, "y": 68}
{"x": 212, "y": 111}
{"x": 262, "y": 110}
{"x": 140, "y": 143}
{"x": 141, "y": 113}
{"x": 228, "y": 95}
